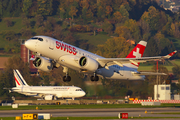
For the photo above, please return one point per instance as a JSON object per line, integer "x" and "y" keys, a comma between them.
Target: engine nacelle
{"x": 43, "y": 64}
{"x": 88, "y": 64}
{"x": 48, "y": 97}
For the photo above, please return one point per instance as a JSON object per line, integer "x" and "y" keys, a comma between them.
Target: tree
{"x": 46, "y": 78}
{"x": 133, "y": 28}
{"x": 45, "y": 7}
{"x": 108, "y": 11}
{"x": 118, "y": 17}
{"x": 144, "y": 29}
{"x": 123, "y": 31}
{"x": 152, "y": 18}
{"x": 114, "y": 47}
{"x": 62, "y": 11}
{"x": 58, "y": 32}
{"x": 73, "y": 12}
{"x": 100, "y": 12}
{"x": 49, "y": 24}
{"x": 107, "y": 27}
{"x": 7, "y": 77}
{"x": 39, "y": 20}
{"x": 26, "y": 5}
{"x": 161, "y": 69}
{"x": 124, "y": 13}
{"x": 176, "y": 71}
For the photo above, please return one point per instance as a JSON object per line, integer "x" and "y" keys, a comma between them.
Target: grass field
{"x": 91, "y": 106}
{"x": 149, "y": 68}
{"x": 94, "y": 40}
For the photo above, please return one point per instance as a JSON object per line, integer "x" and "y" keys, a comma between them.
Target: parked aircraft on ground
{"x": 45, "y": 92}
{"x": 51, "y": 53}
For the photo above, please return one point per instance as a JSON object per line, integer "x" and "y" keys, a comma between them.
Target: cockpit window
{"x": 40, "y": 39}
{"x": 34, "y": 38}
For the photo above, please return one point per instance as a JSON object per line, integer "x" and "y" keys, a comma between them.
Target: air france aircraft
{"x": 45, "y": 92}
{"x": 51, "y": 53}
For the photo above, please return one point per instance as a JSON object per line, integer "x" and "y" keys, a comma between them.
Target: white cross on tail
{"x": 137, "y": 54}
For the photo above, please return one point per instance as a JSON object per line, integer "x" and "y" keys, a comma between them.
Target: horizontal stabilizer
{"x": 148, "y": 73}
{"x": 7, "y": 88}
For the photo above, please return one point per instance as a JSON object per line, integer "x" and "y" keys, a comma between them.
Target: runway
{"x": 132, "y": 112}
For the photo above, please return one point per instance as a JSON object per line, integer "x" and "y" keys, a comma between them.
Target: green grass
{"x": 149, "y": 68}
{"x": 90, "y": 106}
{"x": 168, "y": 64}
{"x": 177, "y": 61}
{"x": 16, "y": 27}
{"x": 94, "y": 40}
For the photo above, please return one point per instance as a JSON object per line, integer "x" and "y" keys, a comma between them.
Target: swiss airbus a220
{"x": 52, "y": 53}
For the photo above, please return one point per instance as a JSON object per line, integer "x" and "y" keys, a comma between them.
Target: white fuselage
{"x": 56, "y": 91}
{"x": 60, "y": 51}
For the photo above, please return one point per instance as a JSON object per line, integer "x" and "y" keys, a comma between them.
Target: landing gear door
{"x": 51, "y": 44}
{"x": 121, "y": 71}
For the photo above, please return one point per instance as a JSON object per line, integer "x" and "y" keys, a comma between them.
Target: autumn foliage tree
{"x": 114, "y": 47}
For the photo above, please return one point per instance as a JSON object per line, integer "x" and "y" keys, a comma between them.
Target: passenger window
{"x": 40, "y": 39}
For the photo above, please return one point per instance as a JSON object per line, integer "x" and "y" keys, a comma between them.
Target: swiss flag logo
{"x": 137, "y": 52}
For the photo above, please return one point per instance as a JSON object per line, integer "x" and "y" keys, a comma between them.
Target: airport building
{"x": 162, "y": 92}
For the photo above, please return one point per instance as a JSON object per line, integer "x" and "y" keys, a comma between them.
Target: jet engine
{"x": 88, "y": 64}
{"x": 43, "y": 64}
{"x": 49, "y": 97}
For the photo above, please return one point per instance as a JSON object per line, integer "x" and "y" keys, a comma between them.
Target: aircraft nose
{"x": 83, "y": 93}
{"x": 30, "y": 45}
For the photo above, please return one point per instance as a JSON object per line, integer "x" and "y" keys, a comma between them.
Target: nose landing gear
{"x": 66, "y": 78}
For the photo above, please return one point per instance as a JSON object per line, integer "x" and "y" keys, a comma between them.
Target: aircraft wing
{"x": 121, "y": 61}
{"x": 7, "y": 88}
{"x": 148, "y": 73}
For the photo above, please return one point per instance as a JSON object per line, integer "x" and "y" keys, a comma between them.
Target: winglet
{"x": 170, "y": 54}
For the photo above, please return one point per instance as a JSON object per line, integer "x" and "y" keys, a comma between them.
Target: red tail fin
{"x": 137, "y": 52}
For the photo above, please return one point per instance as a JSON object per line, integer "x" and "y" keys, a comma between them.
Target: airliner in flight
{"x": 52, "y": 53}
{"x": 45, "y": 92}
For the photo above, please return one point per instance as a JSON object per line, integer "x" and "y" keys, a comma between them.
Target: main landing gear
{"x": 94, "y": 77}
{"x": 67, "y": 78}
